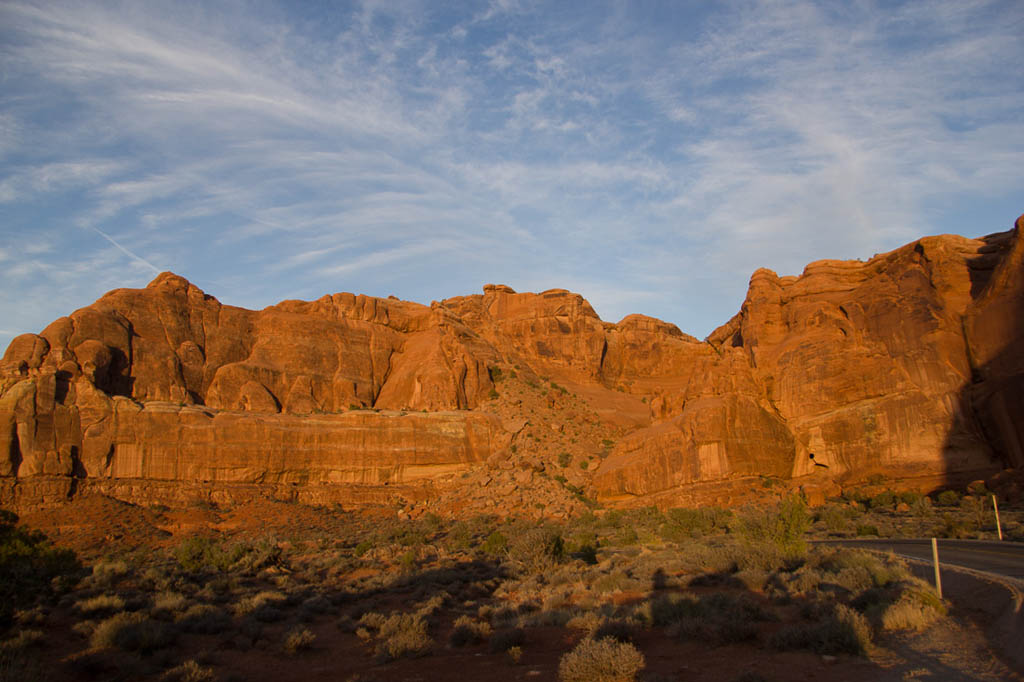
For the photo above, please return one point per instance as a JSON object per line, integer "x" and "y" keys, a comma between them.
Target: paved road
{"x": 1004, "y": 558}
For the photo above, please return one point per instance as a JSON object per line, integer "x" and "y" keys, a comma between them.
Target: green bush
{"x": 604, "y": 660}
{"x": 201, "y": 554}
{"x": 867, "y": 529}
{"x": 948, "y": 498}
{"x": 883, "y": 500}
{"x": 836, "y": 518}
{"x": 682, "y": 524}
{"x": 495, "y": 544}
{"x": 564, "y": 458}
{"x": 783, "y": 528}
{"x": 30, "y": 567}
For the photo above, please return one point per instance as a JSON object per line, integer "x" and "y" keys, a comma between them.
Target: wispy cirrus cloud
{"x": 651, "y": 156}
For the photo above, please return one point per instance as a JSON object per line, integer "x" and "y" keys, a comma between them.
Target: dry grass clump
{"x": 21, "y": 641}
{"x": 589, "y": 621}
{"x": 468, "y": 630}
{"x": 603, "y": 660}
{"x": 263, "y": 606}
{"x": 298, "y": 639}
{"x": 189, "y": 671}
{"x": 101, "y": 604}
{"x": 916, "y": 609}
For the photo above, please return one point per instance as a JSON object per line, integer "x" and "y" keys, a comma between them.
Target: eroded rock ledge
{"x": 909, "y": 366}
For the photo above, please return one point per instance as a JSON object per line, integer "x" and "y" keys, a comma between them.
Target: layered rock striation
{"x": 909, "y": 366}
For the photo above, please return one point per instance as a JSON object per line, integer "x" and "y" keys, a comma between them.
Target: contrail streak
{"x": 124, "y": 250}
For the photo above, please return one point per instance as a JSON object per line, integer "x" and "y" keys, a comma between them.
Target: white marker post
{"x": 935, "y": 558}
{"x": 999, "y": 527}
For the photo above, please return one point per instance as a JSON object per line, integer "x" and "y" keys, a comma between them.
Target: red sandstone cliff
{"x": 908, "y": 365}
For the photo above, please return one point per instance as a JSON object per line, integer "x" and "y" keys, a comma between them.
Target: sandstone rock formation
{"x": 910, "y": 365}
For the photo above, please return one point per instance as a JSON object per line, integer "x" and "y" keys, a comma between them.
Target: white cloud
{"x": 419, "y": 146}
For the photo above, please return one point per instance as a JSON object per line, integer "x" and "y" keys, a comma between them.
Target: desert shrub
{"x": 564, "y": 459}
{"x": 108, "y": 573}
{"x": 617, "y": 581}
{"x": 682, "y": 524}
{"x": 460, "y": 536}
{"x": 721, "y": 618}
{"x": 23, "y": 640}
{"x": 836, "y": 518}
{"x": 948, "y": 498}
{"x": 407, "y": 562}
{"x": 866, "y": 529}
{"x": 617, "y": 629}
{"x": 503, "y": 640}
{"x": 844, "y": 631}
{"x": 625, "y": 536}
{"x": 857, "y": 570}
{"x": 515, "y": 653}
{"x": 495, "y": 544}
{"x": 132, "y": 632}
{"x": 922, "y": 506}
{"x": 203, "y": 554}
{"x": 403, "y": 635}
{"x": 166, "y": 604}
{"x": 263, "y": 606}
{"x": 588, "y": 621}
{"x": 298, "y": 639}
{"x": 30, "y": 567}
{"x": 909, "y": 497}
{"x": 189, "y": 671}
{"x": 101, "y": 604}
{"x": 204, "y": 619}
{"x": 883, "y": 500}
{"x": 753, "y": 579}
{"x": 536, "y": 550}
{"x": 468, "y": 631}
{"x": 783, "y": 528}
{"x": 974, "y": 508}
{"x": 604, "y": 660}
{"x": 199, "y": 554}
{"x": 667, "y": 609}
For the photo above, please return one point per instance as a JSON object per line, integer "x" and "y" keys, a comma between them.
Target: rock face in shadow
{"x": 909, "y": 366}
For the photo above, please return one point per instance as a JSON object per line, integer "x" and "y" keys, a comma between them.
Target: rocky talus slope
{"x": 908, "y": 366}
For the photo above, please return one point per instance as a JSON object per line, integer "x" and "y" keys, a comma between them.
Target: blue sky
{"x": 649, "y": 156}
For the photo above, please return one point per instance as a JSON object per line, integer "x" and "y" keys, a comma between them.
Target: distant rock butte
{"x": 909, "y": 366}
